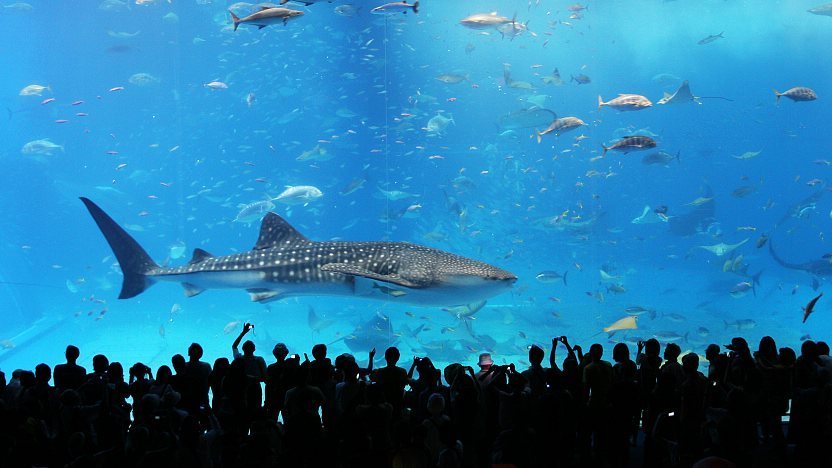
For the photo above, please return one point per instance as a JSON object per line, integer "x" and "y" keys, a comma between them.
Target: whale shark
{"x": 285, "y": 263}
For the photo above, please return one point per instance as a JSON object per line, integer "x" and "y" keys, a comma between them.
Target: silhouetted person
{"x": 535, "y": 375}
{"x": 2, "y": 384}
{"x": 218, "y": 372}
{"x": 692, "y": 408}
{"x": 140, "y": 381}
{"x": 255, "y": 366}
{"x": 303, "y": 423}
{"x": 194, "y": 381}
{"x": 598, "y": 377}
{"x": 375, "y": 418}
{"x": 320, "y": 370}
{"x": 741, "y": 370}
{"x": 672, "y": 365}
{"x": 177, "y": 363}
{"x": 392, "y": 379}
{"x": 626, "y": 407}
{"x": 484, "y": 363}
{"x": 773, "y": 392}
{"x": 433, "y": 426}
{"x": 277, "y": 381}
{"x": 69, "y": 375}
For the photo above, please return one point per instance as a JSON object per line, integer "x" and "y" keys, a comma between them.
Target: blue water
{"x": 173, "y": 159}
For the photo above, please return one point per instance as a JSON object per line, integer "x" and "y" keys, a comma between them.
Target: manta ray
{"x": 821, "y": 267}
{"x": 285, "y": 263}
{"x": 722, "y": 248}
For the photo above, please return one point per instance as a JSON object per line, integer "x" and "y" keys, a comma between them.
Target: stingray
{"x": 683, "y": 95}
{"x": 722, "y": 248}
{"x": 316, "y": 323}
{"x": 697, "y": 220}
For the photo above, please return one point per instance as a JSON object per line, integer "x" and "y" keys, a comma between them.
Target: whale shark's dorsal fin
{"x": 199, "y": 255}
{"x": 277, "y": 232}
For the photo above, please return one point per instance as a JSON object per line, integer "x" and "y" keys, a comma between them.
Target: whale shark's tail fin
{"x": 135, "y": 263}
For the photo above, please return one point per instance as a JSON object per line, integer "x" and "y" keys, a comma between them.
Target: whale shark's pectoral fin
{"x": 355, "y": 270}
{"x": 192, "y": 290}
{"x": 264, "y": 295}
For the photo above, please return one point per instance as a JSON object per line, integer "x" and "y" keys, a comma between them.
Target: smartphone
{"x": 294, "y": 356}
{"x": 671, "y": 414}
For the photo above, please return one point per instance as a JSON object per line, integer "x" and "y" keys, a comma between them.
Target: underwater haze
{"x": 688, "y": 194}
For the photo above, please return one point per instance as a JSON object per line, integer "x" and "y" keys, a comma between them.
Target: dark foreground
{"x": 586, "y": 412}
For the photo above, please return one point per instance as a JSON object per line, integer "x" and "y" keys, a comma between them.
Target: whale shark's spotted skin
{"x": 285, "y": 263}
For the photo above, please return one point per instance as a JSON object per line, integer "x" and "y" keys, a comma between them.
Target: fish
{"x": 395, "y": 195}
{"x": 748, "y": 155}
{"x": 711, "y": 38}
{"x": 284, "y": 263}
{"x": 451, "y": 78}
{"x": 626, "y": 323}
{"x": 822, "y": 10}
{"x": 741, "y": 289}
{"x": 484, "y": 21}
{"x": 34, "y": 90}
{"x": 660, "y": 157}
{"x": 143, "y": 79}
{"x": 42, "y": 147}
{"x": 742, "y": 324}
{"x": 639, "y": 310}
{"x": 213, "y": 85}
{"x": 616, "y": 288}
{"x": 516, "y": 84}
{"x": 527, "y": 118}
{"x": 550, "y": 276}
{"x": 722, "y": 248}
{"x": 810, "y": 307}
{"x": 299, "y": 195}
{"x": 796, "y": 94}
{"x": 631, "y": 143}
{"x": 626, "y": 102}
{"x": 266, "y": 17}
{"x": 438, "y": 124}
{"x": 393, "y": 8}
{"x": 580, "y": 79}
{"x": 512, "y": 29}
{"x": 315, "y": 154}
{"x": 253, "y": 211}
{"x": 231, "y": 326}
{"x": 560, "y": 126}
{"x": 347, "y": 10}
{"x": 354, "y": 185}
{"x": 465, "y": 311}
{"x": 669, "y": 336}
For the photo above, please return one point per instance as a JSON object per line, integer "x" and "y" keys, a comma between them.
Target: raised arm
{"x": 246, "y": 328}
{"x": 552, "y": 363}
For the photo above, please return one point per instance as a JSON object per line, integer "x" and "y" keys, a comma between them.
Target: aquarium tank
{"x": 452, "y": 178}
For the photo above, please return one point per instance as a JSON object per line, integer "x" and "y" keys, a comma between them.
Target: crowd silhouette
{"x": 299, "y": 412}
